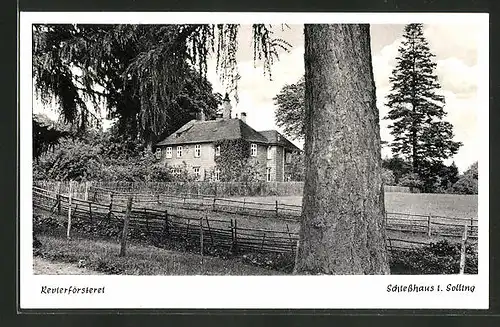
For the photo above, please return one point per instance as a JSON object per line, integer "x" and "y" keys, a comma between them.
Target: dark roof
{"x": 213, "y": 130}
{"x": 274, "y": 137}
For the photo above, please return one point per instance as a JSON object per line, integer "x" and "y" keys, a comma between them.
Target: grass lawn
{"x": 448, "y": 205}
{"x": 100, "y": 256}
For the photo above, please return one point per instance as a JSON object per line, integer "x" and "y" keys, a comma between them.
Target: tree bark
{"x": 342, "y": 228}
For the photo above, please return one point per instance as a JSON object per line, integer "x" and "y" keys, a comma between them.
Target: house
{"x": 193, "y": 146}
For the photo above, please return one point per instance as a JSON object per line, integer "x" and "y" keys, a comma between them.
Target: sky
{"x": 455, "y": 47}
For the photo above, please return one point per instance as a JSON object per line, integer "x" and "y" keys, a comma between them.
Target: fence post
{"x": 123, "y": 249}
{"x": 429, "y": 226}
{"x": 209, "y": 230}
{"x": 86, "y": 195}
{"x": 165, "y": 228}
{"x": 262, "y": 243}
{"x": 232, "y": 236}
{"x": 90, "y": 212}
{"x": 70, "y": 196}
{"x": 147, "y": 221}
{"x": 201, "y": 241}
{"x": 58, "y": 198}
{"x": 276, "y": 208}
{"x": 235, "y": 236}
{"x": 462, "y": 250}
{"x": 158, "y": 198}
{"x": 213, "y": 205}
{"x": 187, "y": 228}
{"x": 289, "y": 236}
{"x": 471, "y": 225}
{"x": 110, "y": 204}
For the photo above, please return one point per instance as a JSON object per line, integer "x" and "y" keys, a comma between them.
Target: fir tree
{"x": 421, "y": 136}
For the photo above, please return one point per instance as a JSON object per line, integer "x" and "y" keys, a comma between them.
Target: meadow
{"x": 447, "y": 205}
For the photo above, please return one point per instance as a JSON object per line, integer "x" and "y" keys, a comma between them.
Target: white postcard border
{"x": 346, "y": 292}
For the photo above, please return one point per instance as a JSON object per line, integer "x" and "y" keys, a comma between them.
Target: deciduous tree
{"x": 290, "y": 110}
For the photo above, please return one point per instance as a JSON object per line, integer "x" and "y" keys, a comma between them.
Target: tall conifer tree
{"x": 421, "y": 136}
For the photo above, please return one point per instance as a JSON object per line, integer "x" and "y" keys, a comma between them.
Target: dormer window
{"x": 253, "y": 150}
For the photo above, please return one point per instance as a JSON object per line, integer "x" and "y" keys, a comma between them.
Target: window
{"x": 158, "y": 153}
{"x": 179, "y": 151}
{"x": 175, "y": 171}
{"x": 217, "y": 174}
{"x": 268, "y": 174}
{"x": 169, "y": 152}
{"x": 288, "y": 158}
{"x": 197, "y": 151}
{"x": 217, "y": 150}
{"x": 253, "y": 150}
{"x": 197, "y": 172}
{"x": 269, "y": 152}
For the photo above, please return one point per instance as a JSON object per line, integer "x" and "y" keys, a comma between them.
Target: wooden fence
{"x": 160, "y": 224}
{"x": 431, "y": 225}
{"x": 219, "y": 189}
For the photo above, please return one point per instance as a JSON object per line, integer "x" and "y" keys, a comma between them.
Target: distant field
{"x": 448, "y": 205}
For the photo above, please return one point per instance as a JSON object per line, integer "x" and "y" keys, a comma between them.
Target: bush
{"x": 98, "y": 158}
{"x": 465, "y": 185}
{"x": 411, "y": 180}
{"x": 442, "y": 257}
{"x": 388, "y": 177}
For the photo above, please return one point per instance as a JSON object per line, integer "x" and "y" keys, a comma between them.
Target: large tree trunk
{"x": 342, "y": 229}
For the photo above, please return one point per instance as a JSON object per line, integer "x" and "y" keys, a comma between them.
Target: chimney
{"x": 244, "y": 117}
{"x": 226, "y": 107}
{"x": 201, "y": 115}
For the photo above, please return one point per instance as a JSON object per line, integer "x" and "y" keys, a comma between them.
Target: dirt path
{"x": 46, "y": 267}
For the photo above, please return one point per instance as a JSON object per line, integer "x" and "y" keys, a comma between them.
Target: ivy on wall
{"x": 235, "y": 162}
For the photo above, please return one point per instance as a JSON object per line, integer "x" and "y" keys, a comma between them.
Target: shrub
{"x": 411, "y": 180}
{"x": 388, "y": 177}
{"x": 441, "y": 257}
{"x": 465, "y": 185}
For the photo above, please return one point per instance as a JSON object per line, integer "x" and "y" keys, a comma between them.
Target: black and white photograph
{"x": 232, "y": 153}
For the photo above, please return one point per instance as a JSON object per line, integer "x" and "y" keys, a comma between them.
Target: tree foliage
{"x": 45, "y": 136}
{"x": 294, "y": 170}
{"x": 388, "y": 177}
{"x": 433, "y": 178}
{"x": 150, "y": 77}
{"x": 398, "y": 166}
{"x": 99, "y": 156}
{"x": 421, "y": 136}
{"x": 290, "y": 110}
{"x": 467, "y": 183}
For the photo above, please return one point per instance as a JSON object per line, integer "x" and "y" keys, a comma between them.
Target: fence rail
{"x": 404, "y": 222}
